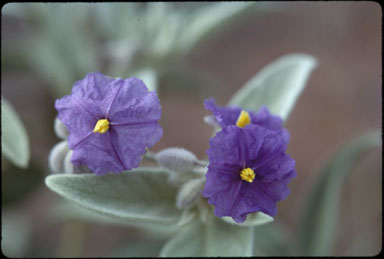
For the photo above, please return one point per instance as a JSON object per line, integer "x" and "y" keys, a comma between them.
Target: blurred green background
{"x": 47, "y": 47}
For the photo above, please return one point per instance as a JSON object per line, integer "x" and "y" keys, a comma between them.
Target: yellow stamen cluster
{"x": 243, "y": 119}
{"x": 101, "y": 126}
{"x": 247, "y": 174}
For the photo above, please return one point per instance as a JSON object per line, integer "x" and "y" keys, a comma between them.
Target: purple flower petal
{"x": 224, "y": 115}
{"x": 98, "y": 154}
{"x": 228, "y": 116}
{"x": 234, "y": 149}
{"x": 132, "y": 113}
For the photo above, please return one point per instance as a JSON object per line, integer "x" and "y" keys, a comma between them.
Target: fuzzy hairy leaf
{"x": 67, "y": 210}
{"x": 15, "y": 234}
{"x": 149, "y": 77}
{"x": 144, "y": 247}
{"x": 214, "y": 239}
{"x": 203, "y": 22}
{"x": 140, "y": 195}
{"x": 14, "y": 138}
{"x": 319, "y": 216}
{"x": 271, "y": 240}
{"x": 276, "y": 86}
{"x": 254, "y": 219}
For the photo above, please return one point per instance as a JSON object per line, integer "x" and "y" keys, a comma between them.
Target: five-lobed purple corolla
{"x": 248, "y": 168}
{"x": 111, "y": 122}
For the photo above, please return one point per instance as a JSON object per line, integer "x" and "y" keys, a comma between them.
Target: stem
{"x": 200, "y": 170}
{"x": 202, "y": 163}
{"x": 150, "y": 156}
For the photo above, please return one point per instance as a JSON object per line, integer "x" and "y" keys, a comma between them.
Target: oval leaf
{"x": 68, "y": 210}
{"x": 317, "y": 230}
{"x": 277, "y": 86}
{"x": 149, "y": 77}
{"x": 207, "y": 20}
{"x": 215, "y": 239}
{"x": 140, "y": 195}
{"x": 14, "y": 138}
{"x": 271, "y": 240}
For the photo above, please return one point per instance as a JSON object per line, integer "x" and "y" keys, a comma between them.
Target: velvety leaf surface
{"x": 14, "y": 138}
{"x": 138, "y": 195}
{"x": 253, "y": 219}
{"x": 319, "y": 217}
{"x": 214, "y": 239}
{"x": 276, "y": 86}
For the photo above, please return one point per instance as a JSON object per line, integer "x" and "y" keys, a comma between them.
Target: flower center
{"x": 247, "y": 174}
{"x": 101, "y": 126}
{"x": 243, "y": 119}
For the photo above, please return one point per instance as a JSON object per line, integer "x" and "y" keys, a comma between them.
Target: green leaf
{"x": 276, "y": 86}
{"x": 254, "y": 219}
{"x": 140, "y": 195}
{"x": 203, "y": 22}
{"x": 143, "y": 247}
{"x": 162, "y": 25}
{"x": 14, "y": 138}
{"x": 149, "y": 76}
{"x": 317, "y": 231}
{"x": 15, "y": 234}
{"x": 68, "y": 210}
{"x": 271, "y": 240}
{"x": 214, "y": 239}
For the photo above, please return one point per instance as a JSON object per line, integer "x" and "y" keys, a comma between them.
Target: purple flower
{"x": 248, "y": 171}
{"x": 111, "y": 122}
{"x": 225, "y": 116}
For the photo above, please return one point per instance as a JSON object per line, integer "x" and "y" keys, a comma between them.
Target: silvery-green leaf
{"x": 61, "y": 54}
{"x": 140, "y": 195}
{"x": 138, "y": 248}
{"x": 14, "y": 138}
{"x": 190, "y": 193}
{"x": 149, "y": 77}
{"x": 204, "y": 21}
{"x": 215, "y": 239}
{"x": 162, "y": 24}
{"x": 276, "y": 86}
{"x": 109, "y": 23}
{"x": 254, "y": 219}
{"x": 71, "y": 44}
{"x": 186, "y": 217}
{"x": 47, "y": 61}
{"x": 68, "y": 210}
{"x": 15, "y": 234}
{"x": 271, "y": 240}
{"x": 318, "y": 222}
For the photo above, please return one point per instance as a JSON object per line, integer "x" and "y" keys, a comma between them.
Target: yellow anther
{"x": 243, "y": 119}
{"x": 101, "y": 126}
{"x": 247, "y": 174}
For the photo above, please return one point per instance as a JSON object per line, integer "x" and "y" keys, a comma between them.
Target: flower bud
{"x": 189, "y": 193}
{"x": 176, "y": 159}
{"x": 60, "y": 129}
{"x": 68, "y": 166}
{"x": 57, "y": 155}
